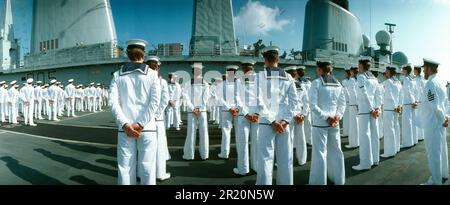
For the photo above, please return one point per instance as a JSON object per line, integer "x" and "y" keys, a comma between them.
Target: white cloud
{"x": 255, "y": 18}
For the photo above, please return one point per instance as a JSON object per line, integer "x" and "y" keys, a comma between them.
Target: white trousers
{"x": 28, "y": 113}
{"x": 90, "y": 104}
{"x": 189, "y": 145}
{"x": 308, "y": 129}
{"x": 53, "y": 114}
{"x": 71, "y": 107}
{"x": 161, "y": 155}
{"x": 389, "y": 133}
{"x": 353, "y": 137}
{"x": 172, "y": 118}
{"x": 407, "y": 126}
{"x": 135, "y": 154}
{"x": 2, "y": 111}
{"x": 38, "y": 109}
{"x": 397, "y": 131}
{"x": 12, "y": 110}
{"x": 345, "y": 122}
{"x": 270, "y": 144}
{"x": 369, "y": 142}
{"x": 297, "y": 133}
{"x": 437, "y": 153}
{"x": 247, "y": 131}
{"x": 228, "y": 121}
{"x": 327, "y": 157}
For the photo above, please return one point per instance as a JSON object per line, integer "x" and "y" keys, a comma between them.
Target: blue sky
{"x": 423, "y": 26}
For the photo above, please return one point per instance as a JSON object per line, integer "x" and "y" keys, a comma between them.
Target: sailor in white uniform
{"x": 306, "y": 83}
{"x": 38, "y": 90}
{"x": 434, "y": 120}
{"x": 90, "y": 97}
{"x": 276, "y": 104}
{"x": 98, "y": 97}
{"x": 53, "y": 92}
{"x": 46, "y": 106}
{"x": 13, "y": 97}
{"x": 71, "y": 96}
{"x": 247, "y": 121}
{"x": 353, "y": 134}
{"x": 379, "y": 103}
{"x": 27, "y": 96}
{"x": 345, "y": 118}
{"x": 161, "y": 156}
{"x": 216, "y": 106}
{"x": 196, "y": 94}
{"x": 3, "y": 100}
{"x": 172, "y": 117}
{"x": 409, "y": 104}
{"x": 297, "y": 130}
{"x": 420, "y": 84}
{"x": 328, "y": 107}
{"x": 227, "y": 94}
{"x": 369, "y": 110}
{"x": 391, "y": 110}
{"x": 135, "y": 97}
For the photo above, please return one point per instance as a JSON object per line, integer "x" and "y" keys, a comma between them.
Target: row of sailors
{"x": 272, "y": 111}
{"x": 51, "y": 100}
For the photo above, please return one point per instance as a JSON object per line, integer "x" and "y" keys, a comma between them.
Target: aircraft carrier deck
{"x": 82, "y": 151}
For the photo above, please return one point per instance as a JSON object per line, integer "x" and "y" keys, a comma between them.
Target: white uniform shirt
{"x": 135, "y": 95}
{"x": 3, "y": 95}
{"x": 278, "y": 97}
{"x": 53, "y": 93}
{"x": 247, "y": 97}
{"x": 391, "y": 94}
{"x": 13, "y": 95}
{"x": 367, "y": 86}
{"x": 174, "y": 92}
{"x": 434, "y": 110}
{"x": 70, "y": 91}
{"x": 408, "y": 90}
{"x": 164, "y": 102}
{"x": 196, "y": 94}
{"x": 38, "y": 93}
{"x": 27, "y": 93}
{"x": 327, "y": 100}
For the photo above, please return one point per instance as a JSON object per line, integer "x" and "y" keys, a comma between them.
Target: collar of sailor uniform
{"x": 432, "y": 77}
{"x": 132, "y": 67}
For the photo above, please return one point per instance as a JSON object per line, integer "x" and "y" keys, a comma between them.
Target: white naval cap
{"x": 248, "y": 62}
{"x": 70, "y": 81}
{"x": 99, "y": 84}
{"x": 6, "y": 86}
{"x": 429, "y": 62}
{"x": 270, "y": 49}
{"x": 92, "y": 84}
{"x": 2, "y": 82}
{"x": 136, "y": 43}
{"x": 291, "y": 68}
{"x": 53, "y": 81}
{"x": 58, "y": 83}
{"x": 232, "y": 68}
{"x": 154, "y": 58}
{"x": 407, "y": 65}
{"x": 13, "y": 82}
{"x": 30, "y": 80}
{"x": 39, "y": 82}
{"x": 348, "y": 68}
{"x": 197, "y": 65}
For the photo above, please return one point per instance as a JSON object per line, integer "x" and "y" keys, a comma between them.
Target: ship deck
{"x": 82, "y": 150}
